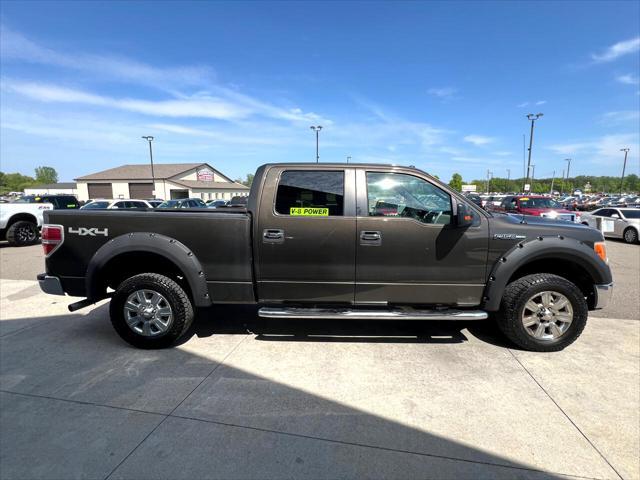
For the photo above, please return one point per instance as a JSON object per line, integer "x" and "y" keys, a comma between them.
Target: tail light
{"x": 52, "y": 238}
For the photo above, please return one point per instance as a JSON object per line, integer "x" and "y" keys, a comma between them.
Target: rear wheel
{"x": 150, "y": 311}
{"x": 22, "y": 233}
{"x": 630, "y": 235}
{"x": 542, "y": 312}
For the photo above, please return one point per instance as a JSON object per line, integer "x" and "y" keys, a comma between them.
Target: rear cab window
{"x": 306, "y": 193}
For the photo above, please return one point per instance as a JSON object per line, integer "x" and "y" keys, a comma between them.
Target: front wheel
{"x": 150, "y": 311}
{"x": 542, "y": 312}
{"x": 630, "y": 235}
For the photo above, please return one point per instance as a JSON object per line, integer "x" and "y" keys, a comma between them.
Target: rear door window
{"x": 310, "y": 193}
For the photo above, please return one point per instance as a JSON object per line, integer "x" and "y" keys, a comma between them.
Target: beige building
{"x": 172, "y": 180}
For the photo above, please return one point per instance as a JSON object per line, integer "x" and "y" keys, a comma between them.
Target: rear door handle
{"x": 368, "y": 237}
{"x": 273, "y": 235}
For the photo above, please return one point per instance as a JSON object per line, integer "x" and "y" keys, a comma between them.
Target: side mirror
{"x": 615, "y": 215}
{"x": 464, "y": 217}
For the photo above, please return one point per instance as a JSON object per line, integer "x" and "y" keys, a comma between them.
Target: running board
{"x": 393, "y": 314}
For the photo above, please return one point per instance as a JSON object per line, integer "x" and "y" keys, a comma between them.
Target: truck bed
{"x": 219, "y": 239}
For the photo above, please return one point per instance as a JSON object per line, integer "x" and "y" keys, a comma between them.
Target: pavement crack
{"x": 565, "y": 414}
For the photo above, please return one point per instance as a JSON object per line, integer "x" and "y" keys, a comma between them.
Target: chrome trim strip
{"x": 603, "y": 293}
{"x": 395, "y": 314}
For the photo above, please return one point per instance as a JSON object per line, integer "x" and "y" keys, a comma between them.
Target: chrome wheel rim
{"x": 148, "y": 313}
{"x": 629, "y": 236}
{"x": 547, "y": 315}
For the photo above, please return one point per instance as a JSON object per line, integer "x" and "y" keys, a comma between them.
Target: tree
{"x": 247, "y": 182}
{"x": 46, "y": 175}
{"x": 15, "y": 182}
{"x": 456, "y": 182}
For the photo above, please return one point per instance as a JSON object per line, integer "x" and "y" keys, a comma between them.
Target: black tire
{"x": 630, "y": 235}
{"x": 517, "y": 294}
{"x": 22, "y": 233}
{"x": 176, "y": 298}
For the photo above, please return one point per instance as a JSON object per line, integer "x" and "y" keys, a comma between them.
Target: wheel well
{"x": 20, "y": 217}
{"x": 631, "y": 227}
{"x": 567, "y": 269}
{"x": 126, "y": 265}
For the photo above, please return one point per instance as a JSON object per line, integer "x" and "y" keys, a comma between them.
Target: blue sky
{"x": 444, "y": 86}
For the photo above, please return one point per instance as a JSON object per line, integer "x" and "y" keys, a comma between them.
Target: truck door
{"x": 306, "y": 236}
{"x": 409, "y": 249}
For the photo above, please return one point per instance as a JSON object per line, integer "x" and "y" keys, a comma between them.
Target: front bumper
{"x": 603, "y": 294}
{"x": 50, "y": 285}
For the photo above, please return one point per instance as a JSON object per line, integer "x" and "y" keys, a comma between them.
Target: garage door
{"x": 100, "y": 190}
{"x": 140, "y": 190}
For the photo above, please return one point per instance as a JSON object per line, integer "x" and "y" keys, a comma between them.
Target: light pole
{"x": 568, "y": 160}
{"x": 553, "y": 178}
{"x": 317, "y": 129}
{"x": 533, "y": 118}
{"x": 348, "y": 158}
{"x": 489, "y": 173}
{"x": 149, "y": 139}
{"x": 508, "y": 177}
{"x": 624, "y": 166}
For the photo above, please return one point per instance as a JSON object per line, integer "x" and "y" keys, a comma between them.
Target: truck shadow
{"x": 241, "y": 319}
{"x": 273, "y": 427}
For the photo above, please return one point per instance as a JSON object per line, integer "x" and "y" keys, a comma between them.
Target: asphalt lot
{"x": 249, "y": 398}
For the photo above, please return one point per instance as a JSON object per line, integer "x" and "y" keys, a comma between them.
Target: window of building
{"x": 310, "y": 193}
{"x": 401, "y": 195}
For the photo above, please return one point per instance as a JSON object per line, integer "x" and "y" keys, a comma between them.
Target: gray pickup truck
{"x": 332, "y": 241}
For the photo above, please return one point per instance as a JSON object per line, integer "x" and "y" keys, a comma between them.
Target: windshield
{"x": 169, "y": 204}
{"x": 631, "y": 213}
{"x": 25, "y": 200}
{"x": 96, "y": 205}
{"x": 528, "y": 202}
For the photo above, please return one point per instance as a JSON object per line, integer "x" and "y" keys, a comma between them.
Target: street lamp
{"x": 149, "y": 139}
{"x": 508, "y": 177}
{"x": 348, "y": 158}
{"x": 533, "y": 118}
{"x": 317, "y": 129}
{"x": 624, "y": 166}
{"x": 568, "y": 160}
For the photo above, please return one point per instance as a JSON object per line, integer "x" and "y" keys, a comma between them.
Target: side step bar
{"x": 356, "y": 314}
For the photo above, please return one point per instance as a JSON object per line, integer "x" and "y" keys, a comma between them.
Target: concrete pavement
{"x": 249, "y": 398}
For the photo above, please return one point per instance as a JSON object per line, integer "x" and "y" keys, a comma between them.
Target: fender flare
{"x": 167, "y": 247}
{"x": 537, "y": 249}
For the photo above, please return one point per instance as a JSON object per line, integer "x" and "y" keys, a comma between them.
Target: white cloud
{"x": 443, "y": 92}
{"x": 478, "y": 140}
{"x": 618, "y": 50}
{"x": 623, "y": 116}
{"x": 628, "y": 79}
{"x": 15, "y": 46}
{"x": 541, "y": 102}
{"x": 599, "y": 150}
{"x": 522, "y": 105}
{"x": 196, "y": 106}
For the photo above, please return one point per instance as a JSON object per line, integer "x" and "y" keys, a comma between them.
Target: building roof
{"x": 161, "y": 171}
{"x": 209, "y": 185}
{"x": 54, "y": 185}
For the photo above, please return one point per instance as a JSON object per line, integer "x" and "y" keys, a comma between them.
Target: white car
{"x": 621, "y": 223}
{"x": 20, "y": 222}
{"x": 123, "y": 203}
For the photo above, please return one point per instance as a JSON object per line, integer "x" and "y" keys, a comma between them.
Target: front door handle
{"x": 273, "y": 235}
{"x": 368, "y": 237}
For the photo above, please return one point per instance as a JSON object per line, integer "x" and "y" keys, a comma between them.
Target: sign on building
{"x": 468, "y": 188}
{"x": 204, "y": 175}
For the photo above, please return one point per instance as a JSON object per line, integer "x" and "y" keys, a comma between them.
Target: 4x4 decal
{"x": 91, "y": 232}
